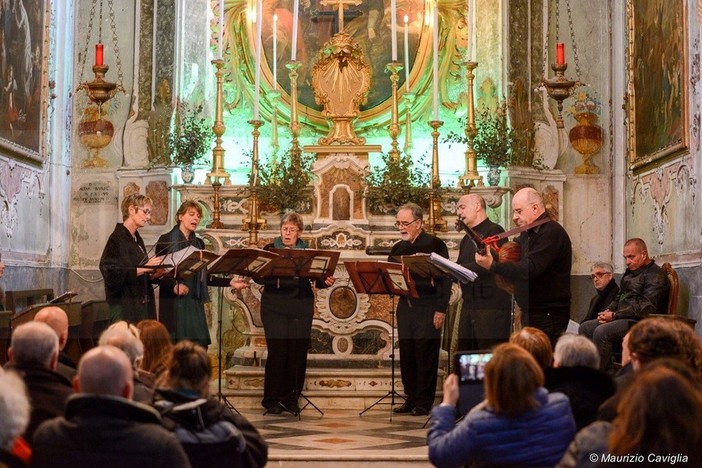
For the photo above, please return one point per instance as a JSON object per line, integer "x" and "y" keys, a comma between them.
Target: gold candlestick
{"x": 252, "y": 222}
{"x": 394, "y": 129}
{"x": 216, "y": 215}
{"x": 436, "y": 222}
{"x": 409, "y": 100}
{"x": 293, "y": 66}
{"x": 218, "y": 128}
{"x": 273, "y": 98}
{"x": 469, "y": 178}
{"x": 559, "y": 88}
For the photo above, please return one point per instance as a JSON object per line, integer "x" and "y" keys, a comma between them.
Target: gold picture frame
{"x": 657, "y": 69}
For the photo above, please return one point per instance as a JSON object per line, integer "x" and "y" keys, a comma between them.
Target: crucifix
{"x": 341, "y": 4}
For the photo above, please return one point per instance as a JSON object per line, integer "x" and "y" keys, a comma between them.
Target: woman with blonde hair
{"x": 519, "y": 423}
{"x": 157, "y": 347}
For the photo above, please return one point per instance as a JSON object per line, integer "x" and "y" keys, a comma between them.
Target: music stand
{"x": 393, "y": 279}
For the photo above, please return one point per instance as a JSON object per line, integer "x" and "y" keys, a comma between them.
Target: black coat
{"x": 643, "y": 291}
{"x": 106, "y": 432}
{"x": 601, "y": 300}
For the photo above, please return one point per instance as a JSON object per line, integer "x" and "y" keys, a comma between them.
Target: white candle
{"x": 407, "y": 85}
{"x": 275, "y": 51}
{"x": 435, "y": 43}
{"x": 471, "y": 31}
{"x": 393, "y": 28}
{"x": 293, "y": 42}
{"x": 257, "y": 83}
{"x": 220, "y": 25}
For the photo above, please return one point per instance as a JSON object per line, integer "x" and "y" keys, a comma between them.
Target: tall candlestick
{"x": 275, "y": 51}
{"x": 435, "y": 43}
{"x": 99, "y": 54}
{"x": 407, "y": 85}
{"x": 393, "y": 28}
{"x": 257, "y": 81}
{"x": 560, "y": 54}
{"x": 293, "y": 42}
{"x": 220, "y": 26}
{"x": 471, "y": 31}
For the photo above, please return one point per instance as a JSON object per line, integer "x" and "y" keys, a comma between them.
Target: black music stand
{"x": 393, "y": 279}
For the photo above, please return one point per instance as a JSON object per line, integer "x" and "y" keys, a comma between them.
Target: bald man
{"x": 103, "y": 426}
{"x": 487, "y": 309}
{"x": 56, "y": 318}
{"x": 542, "y": 276}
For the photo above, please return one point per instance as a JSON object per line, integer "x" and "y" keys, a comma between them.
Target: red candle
{"x": 560, "y": 54}
{"x": 99, "y": 53}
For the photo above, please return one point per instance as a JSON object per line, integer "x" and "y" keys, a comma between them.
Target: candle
{"x": 393, "y": 28}
{"x": 99, "y": 54}
{"x": 275, "y": 51}
{"x": 220, "y": 26}
{"x": 560, "y": 54}
{"x": 293, "y": 42}
{"x": 257, "y": 82}
{"x": 435, "y": 43}
{"x": 407, "y": 86}
{"x": 471, "y": 30}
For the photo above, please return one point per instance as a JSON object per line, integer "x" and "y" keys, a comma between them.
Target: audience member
{"x": 576, "y": 374}
{"x": 123, "y": 336}
{"x": 14, "y": 418}
{"x": 519, "y": 423}
{"x": 33, "y": 355}
{"x": 606, "y": 289}
{"x": 103, "y": 427}
{"x": 644, "y": 290}
{"x": 538, "y": 344}
{"x": 211, "y": 434}
{"x": 56, "y": 318}
{"x": 157, "y": 348}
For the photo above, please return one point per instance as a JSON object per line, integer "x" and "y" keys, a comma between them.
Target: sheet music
{"x": 176, "y": 257}
{"x": 461, "y": 273}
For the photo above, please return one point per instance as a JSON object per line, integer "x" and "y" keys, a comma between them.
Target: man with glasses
{"x": 419, "y": 321}
{"x": 607, "y": 289}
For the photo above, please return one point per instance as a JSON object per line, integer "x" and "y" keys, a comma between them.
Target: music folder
{"x": 378, "y": 277}
{"x": 186, "y": 262}
{"x": 242, "y": 262}
{"x": 434, "y": 266}
{"x": 300, "y": 263}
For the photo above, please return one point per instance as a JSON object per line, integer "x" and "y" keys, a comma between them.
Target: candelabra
{"x": 274, "y": 98}
{"x": 409, "y": 100}
{"x": 252, "y": 222}
{"x": 471, "y": 176}
{"x": 293, "y": 66}
{"x": 394, "y": 129}
{"x": 217, "y": 171}
{"x": 436, "y": 222}
{"x": 559, "y": 88}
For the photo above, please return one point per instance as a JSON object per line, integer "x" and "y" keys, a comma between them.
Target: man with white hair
{"x": 14, "y": 414}
{"x": 56, "y": 318}
{"x": 33, "y": 355}
{"x": 103, "y": 427}
{"x": 125, "y": 337}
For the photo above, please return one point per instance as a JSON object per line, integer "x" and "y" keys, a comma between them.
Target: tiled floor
{"x": 343, "y": 438}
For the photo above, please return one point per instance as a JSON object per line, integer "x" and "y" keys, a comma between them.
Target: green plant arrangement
{"x": 283, "y": 185}
{"x": 396, "y": 184}
{"x": 190, "y": 140}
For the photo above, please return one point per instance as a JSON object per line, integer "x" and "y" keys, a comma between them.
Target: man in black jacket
{"x": 542, "y": 275}
{"x": 419, "y": 321}
{"x": 487, "y": 310}
{"x": 644, "y": 290}
{"x": 606, "y": 289}
{"x": 103, "y": 427}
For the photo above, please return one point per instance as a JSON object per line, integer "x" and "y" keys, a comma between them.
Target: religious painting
{"x": 658, "y": 121}
{"x": 368, "y": 22}
{"x": 22, "y": 71}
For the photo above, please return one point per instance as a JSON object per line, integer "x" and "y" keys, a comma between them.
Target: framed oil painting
{"x": 658, "y": 55}
{"x": 22, "y": 74}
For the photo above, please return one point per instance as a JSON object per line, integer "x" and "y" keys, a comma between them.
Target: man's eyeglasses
{"x": 291, "y": 230}
{"x": 599, "y": 274}
{"x": 405, "y": 224}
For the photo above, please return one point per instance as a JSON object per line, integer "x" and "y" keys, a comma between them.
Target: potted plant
{"x": 396, "y": 184}
{"x": 190, "y": 140}
{"x": 284, "y": 185}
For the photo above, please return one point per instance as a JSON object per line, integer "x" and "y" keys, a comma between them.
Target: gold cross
{"x": 341, "y": 4}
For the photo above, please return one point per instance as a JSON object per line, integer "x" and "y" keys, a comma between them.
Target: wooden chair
{"x": 674, "y": 288}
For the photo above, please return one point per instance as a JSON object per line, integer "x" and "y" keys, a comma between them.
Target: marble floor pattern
{"x": 343, "y": 437}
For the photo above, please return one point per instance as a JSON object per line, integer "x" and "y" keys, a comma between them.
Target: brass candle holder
{"x": 100, "y": 90}
{"x": 559, "y": 88}
{"x": 217, "y": 171}
{"x": 394, "y": 129}
{"x": 436, "y": 222}
{"x": 409, "y": 100}
{"x": 470, "y": 178}
{"x": 253, "y": 223}
{"x": 293, "y": 66}
{"x": 274, "y": 99}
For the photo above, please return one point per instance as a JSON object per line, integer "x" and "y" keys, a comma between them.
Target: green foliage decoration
{"x": 190, "y": 141}
{"x": 399, "y": 182}
{"x": 283, "y": 184}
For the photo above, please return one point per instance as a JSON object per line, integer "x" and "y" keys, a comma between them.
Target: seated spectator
{"x": 33, "y": 355}
{"x": 125, "y": 337}
{"x": 606, "y": 289}
{"x": 519, "y": 423}
{"x": 14, "y": 417}
{"x": 56, "y": 318}
{"x": 644, "y": 290}
{"x": 576, "y": 374}
{"x": 537, "y": 342}
{"x": 157, "y": 348}
{"x": 658, "y": 414}
{"x": 210, "y": 433}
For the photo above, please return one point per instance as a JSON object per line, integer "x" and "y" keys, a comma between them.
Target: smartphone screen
{"x": 470, "y": 367}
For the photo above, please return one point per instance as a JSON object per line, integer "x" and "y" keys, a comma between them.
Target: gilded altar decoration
{"x": 95, "y": 133}
{"x": 341, "y": 80}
